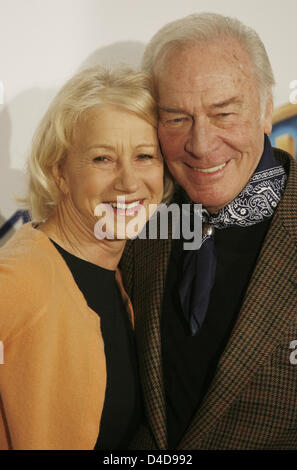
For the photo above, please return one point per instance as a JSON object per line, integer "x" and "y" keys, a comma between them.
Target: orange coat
{"x": 53, "y": 379}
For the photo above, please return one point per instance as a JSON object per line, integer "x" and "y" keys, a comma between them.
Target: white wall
{"x": 44, "y": 42}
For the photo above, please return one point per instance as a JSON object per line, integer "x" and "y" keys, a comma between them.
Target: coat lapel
{"x": 269, "y": 302}
{"x": 151, "y": 259}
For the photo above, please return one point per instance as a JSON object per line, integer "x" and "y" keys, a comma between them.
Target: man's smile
{"x": 210, "y": 170}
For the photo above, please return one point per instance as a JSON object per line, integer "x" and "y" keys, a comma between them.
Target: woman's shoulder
{"x": 27, "y": 265}
{"x": 27, "y": 252}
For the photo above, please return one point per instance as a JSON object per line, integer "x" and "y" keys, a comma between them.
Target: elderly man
{"x": 216, "y": 326}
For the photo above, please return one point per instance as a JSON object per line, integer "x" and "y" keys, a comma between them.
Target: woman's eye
{"x": 100, "y": 159}
{"x": 144, "y": 156}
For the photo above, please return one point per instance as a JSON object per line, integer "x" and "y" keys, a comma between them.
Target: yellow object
{"x": 53, "y": 379}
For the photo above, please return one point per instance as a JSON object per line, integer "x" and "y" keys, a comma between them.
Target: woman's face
{"x": 115, "y": 154}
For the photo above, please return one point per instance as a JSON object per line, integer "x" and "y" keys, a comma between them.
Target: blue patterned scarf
{"x": 255, "y": 203}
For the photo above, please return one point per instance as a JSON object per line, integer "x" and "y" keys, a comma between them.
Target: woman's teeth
{"x": 210, "y": 170}
{"x": 123, "y": 206}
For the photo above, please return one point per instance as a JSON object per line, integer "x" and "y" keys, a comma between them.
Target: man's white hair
{"x": 208, "y": 28}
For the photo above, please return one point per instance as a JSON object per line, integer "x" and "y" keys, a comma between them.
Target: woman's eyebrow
{"x": 146, "y": 145}
{"x": 96, "y": 146}
{"x": 111, "y": 147}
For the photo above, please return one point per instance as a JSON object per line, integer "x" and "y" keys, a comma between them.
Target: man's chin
{"x": 212, "y": 203}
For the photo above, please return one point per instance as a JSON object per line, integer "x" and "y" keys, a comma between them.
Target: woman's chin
{"x": 120, "y": 226}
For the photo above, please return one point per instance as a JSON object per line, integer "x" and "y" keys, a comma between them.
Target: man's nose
{"x": 127, "y": 180}
{"x": 203, "y": 139}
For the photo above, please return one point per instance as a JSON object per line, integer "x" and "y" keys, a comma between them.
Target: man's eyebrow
{"x": 172, "y": 110}
{"x": 219, "y": 104}
{"x": 222, "y": 104}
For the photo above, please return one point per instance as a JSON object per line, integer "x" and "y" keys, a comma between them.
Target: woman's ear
{"x": 58, "y": 174}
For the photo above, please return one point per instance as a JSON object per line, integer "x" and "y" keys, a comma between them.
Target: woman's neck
{"x": 78, "y": 239}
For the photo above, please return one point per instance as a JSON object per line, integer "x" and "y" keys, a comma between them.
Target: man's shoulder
{"x": 286, "y": 213}
{"x": 289, "y": 164}
{"x": 285, "y": 158}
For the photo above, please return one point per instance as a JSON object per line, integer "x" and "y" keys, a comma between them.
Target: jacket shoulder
{"x": 26, "y": 279}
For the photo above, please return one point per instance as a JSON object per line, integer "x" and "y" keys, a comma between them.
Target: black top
{"x": 189, "y": 362}
{"x": 122, "y": 411}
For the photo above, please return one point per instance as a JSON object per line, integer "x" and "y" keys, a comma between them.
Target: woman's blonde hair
{"x": 90, "y": 88}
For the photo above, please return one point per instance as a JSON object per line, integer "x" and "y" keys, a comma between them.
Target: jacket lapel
{"x": 151, "y": 259}
{"x": 269, "y": 303}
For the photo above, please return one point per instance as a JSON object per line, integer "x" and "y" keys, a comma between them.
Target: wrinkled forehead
{"x": 204, "y": 65}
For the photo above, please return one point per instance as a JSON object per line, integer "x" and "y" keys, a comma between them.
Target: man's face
{"x": 210, "y": 129}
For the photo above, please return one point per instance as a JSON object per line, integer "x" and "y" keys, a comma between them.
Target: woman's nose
{"x": 127, "y": 180}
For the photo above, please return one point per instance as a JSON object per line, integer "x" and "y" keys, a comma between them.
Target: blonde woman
{"x": 70, "y": 377}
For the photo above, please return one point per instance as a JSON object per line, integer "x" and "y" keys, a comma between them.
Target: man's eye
{"x": 224, "y": 114}
{"x": 177, "y": 122}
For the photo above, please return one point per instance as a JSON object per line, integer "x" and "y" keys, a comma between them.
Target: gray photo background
{"x": 43, "y": 43}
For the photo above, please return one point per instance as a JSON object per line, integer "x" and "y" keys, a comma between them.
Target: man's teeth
{"x": 123, "y": 206}
{"x": 211, "y": 170}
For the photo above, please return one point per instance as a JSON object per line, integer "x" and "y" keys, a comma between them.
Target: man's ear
{"x": 58, "y": 174}
{"x": 268, "y": 115}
